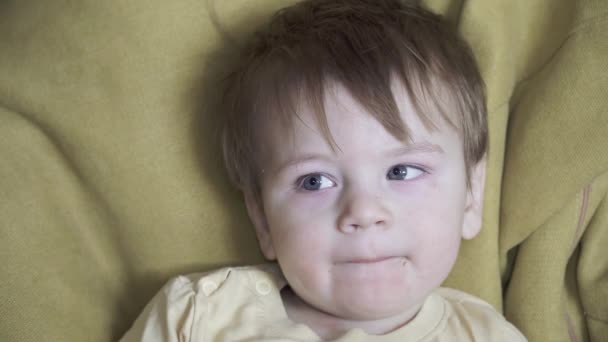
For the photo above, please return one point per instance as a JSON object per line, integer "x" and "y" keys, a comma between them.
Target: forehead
{"x": 353, "y": 129}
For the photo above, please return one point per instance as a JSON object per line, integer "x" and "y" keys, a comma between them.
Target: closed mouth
{"x": 371, "y": 260}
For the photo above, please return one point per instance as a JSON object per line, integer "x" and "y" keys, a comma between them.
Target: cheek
{"x": 431, "y": 205}
{"x": 437, "y": 244}
{"x": 432, "y": 224}
{"x": 303, "y": 252}
{"x": 299, "y": 231}
{"x": 438, "y": 259}
{"x": 302, "y": 235}
{"x": 301, "y": 213}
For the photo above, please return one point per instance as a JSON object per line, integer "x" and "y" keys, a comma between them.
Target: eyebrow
{"x": 300, "y": 159}
{"x": 422, "y": 147}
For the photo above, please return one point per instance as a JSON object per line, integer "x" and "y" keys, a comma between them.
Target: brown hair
{"x": 362, "y": 45}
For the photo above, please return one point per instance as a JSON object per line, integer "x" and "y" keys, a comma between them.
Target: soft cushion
{"x": 111, "y": 181}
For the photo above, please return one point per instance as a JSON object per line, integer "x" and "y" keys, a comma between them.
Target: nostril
{"x": 349, "y": 228}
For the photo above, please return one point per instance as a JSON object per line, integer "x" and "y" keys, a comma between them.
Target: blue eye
{"x": 404, "y": 172}
{"x": 314, "y": 182}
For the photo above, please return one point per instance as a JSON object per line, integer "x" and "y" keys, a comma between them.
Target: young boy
{"x": 357, "y": 131}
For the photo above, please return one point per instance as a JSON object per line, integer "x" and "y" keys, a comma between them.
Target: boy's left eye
{"x": 404, "y": 172}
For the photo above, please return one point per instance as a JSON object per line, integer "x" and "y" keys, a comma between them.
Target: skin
{"x": 365, "y": 245}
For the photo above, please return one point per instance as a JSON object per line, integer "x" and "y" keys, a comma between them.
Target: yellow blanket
{"x": 110, "y": 180}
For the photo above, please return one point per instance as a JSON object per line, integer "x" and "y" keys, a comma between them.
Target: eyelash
{"x": 419, "y": 168}
{"x": 299, "y": 184}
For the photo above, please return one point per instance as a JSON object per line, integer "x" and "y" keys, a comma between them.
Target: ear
{"x": 474, "y": 202}
{"x": 258, "y": 218}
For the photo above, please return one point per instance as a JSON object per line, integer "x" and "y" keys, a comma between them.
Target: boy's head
{"x": 357, "y": 131}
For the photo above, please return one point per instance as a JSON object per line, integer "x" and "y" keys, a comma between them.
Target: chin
{"x": 375, "y": 300}
{"x": 381, "y": 307}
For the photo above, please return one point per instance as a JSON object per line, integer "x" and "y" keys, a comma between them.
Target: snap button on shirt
{"x": 209, "y": 287}
{"x": 263, "y": 287}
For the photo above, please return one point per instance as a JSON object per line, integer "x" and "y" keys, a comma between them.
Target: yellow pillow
{"x": 111, "y": 180}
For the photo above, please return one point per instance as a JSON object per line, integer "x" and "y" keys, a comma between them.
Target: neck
{"x": 328, "y": 326}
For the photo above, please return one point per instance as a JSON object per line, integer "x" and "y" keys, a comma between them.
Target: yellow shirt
{"x": 244, "y": 304}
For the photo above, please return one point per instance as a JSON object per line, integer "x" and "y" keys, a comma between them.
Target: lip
{"x": 371, "y": 260}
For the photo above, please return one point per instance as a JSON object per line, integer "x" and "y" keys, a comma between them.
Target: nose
{"x": 361, "y": 211}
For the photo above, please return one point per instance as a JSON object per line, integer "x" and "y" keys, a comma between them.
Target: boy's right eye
{"x": 314, "y": 182}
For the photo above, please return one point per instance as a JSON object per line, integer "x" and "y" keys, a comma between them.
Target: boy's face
{"x": 367, "y": 231}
